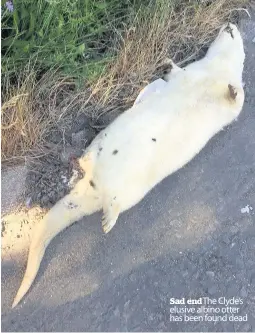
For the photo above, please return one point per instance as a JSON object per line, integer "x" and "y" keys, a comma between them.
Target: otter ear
{"x": 232, "y": 92}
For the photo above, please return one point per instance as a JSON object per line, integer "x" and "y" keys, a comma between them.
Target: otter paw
{"x": 107, "y": 225}
{"x": 110, "y": 217}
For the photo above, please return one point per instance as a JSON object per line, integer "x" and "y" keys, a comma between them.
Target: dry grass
{"x": 22, "y": 126}
{"x": 181, "y": 32}
{"x": 30, "y": 112}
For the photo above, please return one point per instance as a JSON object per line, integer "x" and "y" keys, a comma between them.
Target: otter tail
{"x": 82, "y": 200}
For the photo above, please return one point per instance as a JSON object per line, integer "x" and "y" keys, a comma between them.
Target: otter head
{"x": 228, "y": 48}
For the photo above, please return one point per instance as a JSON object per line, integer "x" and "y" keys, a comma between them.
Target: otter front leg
{"x": 172, "y": 70}
{"x": 111, "y": 211}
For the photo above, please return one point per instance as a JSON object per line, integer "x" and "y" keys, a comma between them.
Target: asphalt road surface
{"x": 193, "y": 236}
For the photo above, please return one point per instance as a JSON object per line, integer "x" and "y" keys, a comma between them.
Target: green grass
{"x": 74, "y": 35}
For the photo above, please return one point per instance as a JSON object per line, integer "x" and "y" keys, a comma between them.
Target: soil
{"x": 48, "y": 177}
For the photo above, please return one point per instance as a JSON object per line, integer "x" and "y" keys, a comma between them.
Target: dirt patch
{"x": 52, "y": 176}
{"x": 13, "y": 183}
{"x": 47, "y": 181}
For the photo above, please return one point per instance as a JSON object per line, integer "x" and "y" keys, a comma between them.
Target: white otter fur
{"x": 148, "y": 142}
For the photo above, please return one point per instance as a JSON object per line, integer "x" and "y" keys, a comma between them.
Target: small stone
{"x": 245, "y": 209}
{"x": 64, "y": 179}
